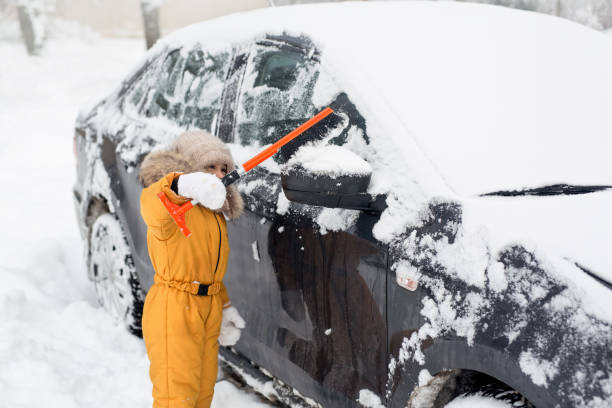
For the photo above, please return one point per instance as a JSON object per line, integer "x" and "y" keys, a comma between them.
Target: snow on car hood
{"x": 574, "y": 227}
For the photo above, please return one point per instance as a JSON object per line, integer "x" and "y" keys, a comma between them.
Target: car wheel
{"x": 112, "y": 270}
{"x": 454, "y": 385}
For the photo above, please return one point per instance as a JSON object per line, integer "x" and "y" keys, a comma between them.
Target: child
{"x": 187, "y": 309}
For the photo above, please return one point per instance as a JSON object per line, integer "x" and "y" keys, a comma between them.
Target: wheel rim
{"x": 111, "y": 267}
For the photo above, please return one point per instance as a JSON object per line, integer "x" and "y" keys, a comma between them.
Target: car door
{"x": 313, "y": 300}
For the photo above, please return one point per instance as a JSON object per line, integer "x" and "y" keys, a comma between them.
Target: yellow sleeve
{"x": 153, "y": 211}
{"x": 225, "y": 301}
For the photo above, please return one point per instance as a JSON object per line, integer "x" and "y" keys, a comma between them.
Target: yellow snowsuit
{"x": 181, "y": 329}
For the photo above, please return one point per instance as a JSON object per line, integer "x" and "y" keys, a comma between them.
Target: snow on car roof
{"x": 496, "y": 98}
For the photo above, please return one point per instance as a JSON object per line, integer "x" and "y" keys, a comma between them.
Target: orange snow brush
{"x": 177, "y": 212}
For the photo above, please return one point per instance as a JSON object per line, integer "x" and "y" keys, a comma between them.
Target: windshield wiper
{"x": 554, "y": 189}
{"x": 592, "y": 275}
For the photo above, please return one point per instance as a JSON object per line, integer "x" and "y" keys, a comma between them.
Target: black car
{"x": 354, "y": 290}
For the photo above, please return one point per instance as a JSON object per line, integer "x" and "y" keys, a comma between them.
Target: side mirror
{"x": 330, "y": 176}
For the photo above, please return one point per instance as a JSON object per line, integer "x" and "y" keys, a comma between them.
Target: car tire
{"x": 452, "y": 385}
{"x": 112, "y": 270}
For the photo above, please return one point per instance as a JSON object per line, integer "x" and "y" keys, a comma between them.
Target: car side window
{"x": 346, "y": 127}
{"x": 184, "y": 87}
{"x": 279, "y": 70}
{"x": 276, "y": 95}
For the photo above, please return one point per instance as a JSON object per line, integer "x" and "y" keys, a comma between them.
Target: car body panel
{"x": 315, "y": 305}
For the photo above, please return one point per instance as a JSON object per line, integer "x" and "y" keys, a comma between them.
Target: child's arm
{"x": 153, "y": 212}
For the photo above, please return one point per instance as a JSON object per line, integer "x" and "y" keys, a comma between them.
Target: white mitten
{"x": 231, "y": 323}
{"x": 206, "y": 188}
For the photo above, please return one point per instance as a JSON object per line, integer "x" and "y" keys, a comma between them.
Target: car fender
{"x": 450, "y": 353}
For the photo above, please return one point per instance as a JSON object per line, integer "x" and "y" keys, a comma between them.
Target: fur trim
{"x": 203, "y": 149}
{"x": 234, "y": 206}
{"x": 157, "y": 164}
{"x": 193, "y": 151}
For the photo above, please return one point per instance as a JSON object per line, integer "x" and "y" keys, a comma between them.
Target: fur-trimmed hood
{"x": 191, "y": 152}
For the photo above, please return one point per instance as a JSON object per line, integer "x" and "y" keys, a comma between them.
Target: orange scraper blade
{"x": 177, "y": 212}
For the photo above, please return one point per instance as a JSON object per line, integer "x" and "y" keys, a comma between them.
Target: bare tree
{"x": 32, "y": 15}
{"x": 150, "y": 17}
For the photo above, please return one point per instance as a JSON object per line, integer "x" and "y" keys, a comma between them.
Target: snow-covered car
{"x": 446, "y": 230}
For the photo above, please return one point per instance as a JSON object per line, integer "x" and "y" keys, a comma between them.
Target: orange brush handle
{"x": 255, "y": 160}
{"x": 177, "y": 212}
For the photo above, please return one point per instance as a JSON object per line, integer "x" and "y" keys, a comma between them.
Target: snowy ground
{"x": 57, "y": 346}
